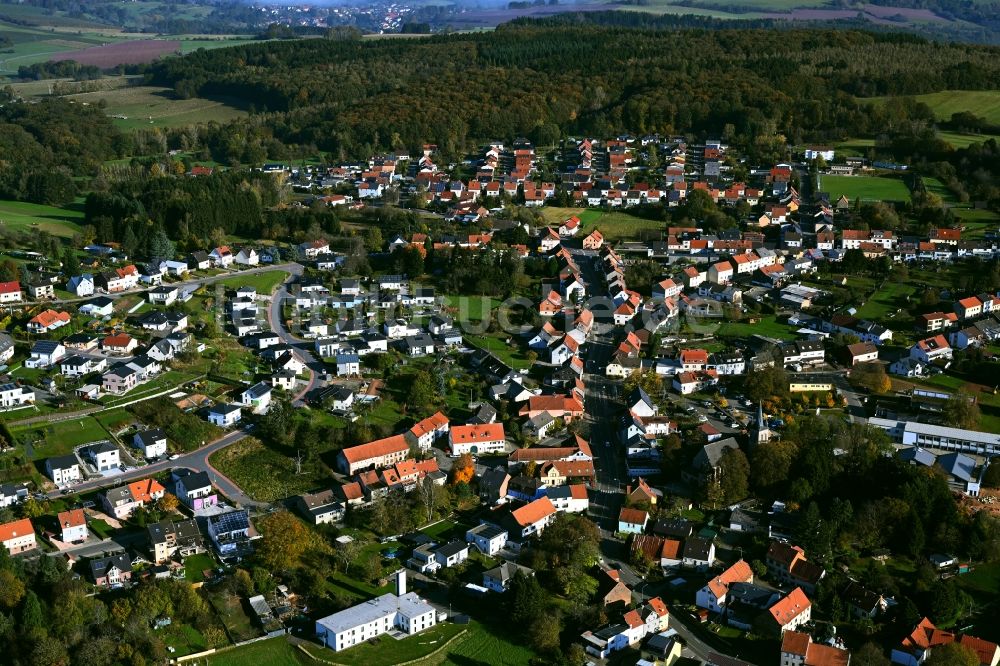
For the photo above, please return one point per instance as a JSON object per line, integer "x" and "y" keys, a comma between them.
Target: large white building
{"x": 930, "y": 436}
{"x": 403, "y": 611}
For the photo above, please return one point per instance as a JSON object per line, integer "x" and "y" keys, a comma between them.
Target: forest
{"x": 546, "y": 79}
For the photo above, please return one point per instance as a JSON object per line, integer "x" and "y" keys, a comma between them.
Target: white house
{"x": 225, "y": 415}
{"x": 930, "y": 349}
{"x": 103, "y": 455}
{"x": 152, "y": 443}
{"x": 12, "y": 395}
{"x": 81, "y": 285}
{"x": 477, "y": 439}
{"x": 403, "y": 611}
{"x": 44, "y": 354}
{"x": 247, "y": 257}
{"x": 63, "y": 470}
{"x": 257, "y": 397}
{"x": 488, "y": 539}
{"x": 73, "y": 524}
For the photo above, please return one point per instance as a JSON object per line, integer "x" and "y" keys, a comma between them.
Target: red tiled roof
{"x": 10, "y": 287}
{"x": 790, "y": 607}
{"x": 380, "y": 447}
{"x": 487, "y": 432}
{"x": 15, "y": 529}
{"x": 430, "y": 424}
{"x": 740, "y": 572}
{"x": 795, "y": 642}
{"x": 144, "y": 489}
{"x": 925, "y": 635}
{"x": 533, "y": 512}
{"x": 985, "y": 650}
{"x": 72, "y": 518}
{"x": 633, "y": 516}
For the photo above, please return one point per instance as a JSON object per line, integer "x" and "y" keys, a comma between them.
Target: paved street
{"x": 196, "y": 461}
{"x": 276, "y": 321}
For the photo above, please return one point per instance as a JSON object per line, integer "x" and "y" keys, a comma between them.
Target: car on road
{"x": 735, "y": 424}
{"x": 702, "y": 418}
{"x": 66, "y": 491}
{"x": 174, "y": 457}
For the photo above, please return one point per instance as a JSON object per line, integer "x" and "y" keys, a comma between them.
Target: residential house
{"x": 377, "y": 454}
{"x": 112, "y": 571}
{"x": 788, "y": 565}
{"x": 698, "y": 553}
{"x": 104, "y": 456}
{"x": 73, "y": 524}
{"x": 63, "y": 470}
{"x": 247, "y": 257}
{"x": 45, "y": 354}
{"x": 862, "y": 352}
{"x": 320, "y": 508}
{"x": 47, "y": 320}
{"x": 477, "y": 439}
{"x": 499, "y": 578}
{"x": 230, "y": 532}
{"x": 152, "y": 443}
{"x": 195, "y": 490}
{"x": 798, "y": 649}
{"x": 81, "y": 285}
{"x": 18, "y": 536}
{"x": 10, "y": 292}
{"x": 931, "y": 349}
{"x": 13, "y": 396}
{"x": 632, "y": 521}
{"x": 169, "y": 538}
{"x": 257, "y": 398}
{"x": 225, "y": 415}
{"x": 532, "y": 518}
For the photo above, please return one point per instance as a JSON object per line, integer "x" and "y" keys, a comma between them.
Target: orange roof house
{"x": 146, "y": 490}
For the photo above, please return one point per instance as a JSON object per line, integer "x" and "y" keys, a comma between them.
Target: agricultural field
{"x": 983, "y": 103}
{"x": 150, "y": 106}
{"x": 958, "y": 140}
{"x": 135, "y": 52}
{"x": 936, "y": 187}
{"x": 854, "y": 147}
{"x": 866, "y": 188}
{"x": 32, "y": 218}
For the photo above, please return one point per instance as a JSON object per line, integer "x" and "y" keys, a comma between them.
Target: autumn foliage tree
{"x": 463, "y": 470}
{"x": 286, "y": 540}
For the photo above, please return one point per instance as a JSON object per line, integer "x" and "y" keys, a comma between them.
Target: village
{"x": 629, "y": 391}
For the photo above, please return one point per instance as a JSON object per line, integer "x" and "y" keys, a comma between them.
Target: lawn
{"x": 388, "y": 651}
{"x": 263, "y": 473}
{"x": 885, "y": 302}
{"x": 480, "y": 646}
{"x": 100, "y": 528}
{"x": 195, "y": 566}
{"x": 510, "y": 354}
{"x": 60, "y": 438}
{"x": 185, "y": 639}
{"x": 262, "y": 282}
{"x": 33, "y": 218}
{"x": 114, "y": 418}
{"x": 614, "y": 225}
{"x": 149, "y": 106}
{"x": 273, "y": 652}
{"x": 854, "y": 147}
{"x": 867, "y": 188}
{"x": 471, "y": 307}
{"x": 766, "y": 326}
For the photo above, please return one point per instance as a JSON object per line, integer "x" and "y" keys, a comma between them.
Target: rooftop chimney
{"x": 401, "y": 582}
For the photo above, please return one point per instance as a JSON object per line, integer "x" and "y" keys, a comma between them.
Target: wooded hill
{"x": 543, "y": 81}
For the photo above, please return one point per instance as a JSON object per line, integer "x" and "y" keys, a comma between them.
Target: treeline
{"x": 207, "y": 207}
{"x": 62, "y": 69}
{"x": 542, "y": 79}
